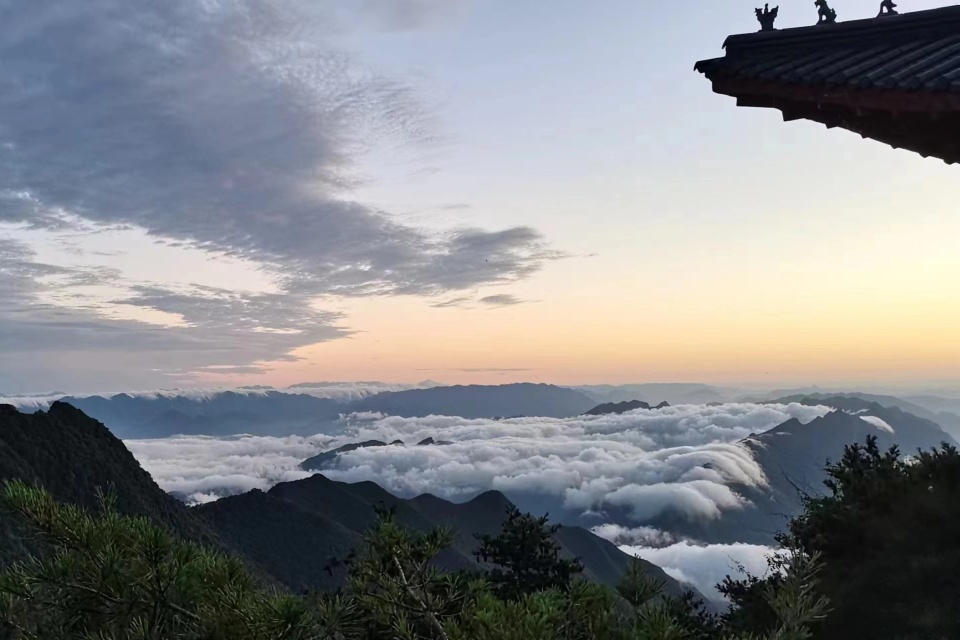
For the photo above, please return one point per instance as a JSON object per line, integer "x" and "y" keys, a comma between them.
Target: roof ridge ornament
{"x": 767, "y": 17}
{"x": 888, "y": 8}
{"x": 825, "y": 13}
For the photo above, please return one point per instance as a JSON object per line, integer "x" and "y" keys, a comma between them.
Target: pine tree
{"x": 398, "y": 590}
{"x": 526, "y": 558}
{"x": 108, "y": 576}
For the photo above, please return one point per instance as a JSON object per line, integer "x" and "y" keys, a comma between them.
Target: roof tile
{"x": 917, "y": 51}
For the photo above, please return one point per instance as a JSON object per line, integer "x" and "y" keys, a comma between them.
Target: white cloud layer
{"x": 704, "y": 566}
{"x": 680, "y": 460}
{"x": 634, "y": 536}
{"x": 879, "y": 423}
{"x": 205, "y": 468}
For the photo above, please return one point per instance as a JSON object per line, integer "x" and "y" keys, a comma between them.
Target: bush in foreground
{"x": 112, "y": 577}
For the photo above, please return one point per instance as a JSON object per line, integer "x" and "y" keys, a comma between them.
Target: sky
{"x": 204, "y": 192}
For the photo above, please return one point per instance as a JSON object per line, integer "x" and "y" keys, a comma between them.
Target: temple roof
{"x": 892, "y": 78}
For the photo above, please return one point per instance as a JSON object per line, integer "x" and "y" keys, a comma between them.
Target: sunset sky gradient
{"x": 680, "y": 238}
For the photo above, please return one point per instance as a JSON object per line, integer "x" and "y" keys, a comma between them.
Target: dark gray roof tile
{"x": 913, "y": 51}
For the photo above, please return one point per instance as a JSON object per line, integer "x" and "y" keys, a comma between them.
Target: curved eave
{"x": 893, "y": 79}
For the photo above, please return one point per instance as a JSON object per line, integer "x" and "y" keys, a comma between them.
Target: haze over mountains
{"x": 290, "y": 534}
{"x": 309, "y": 409}
{"x": 690, "y": 485}
{"x": 316, "y": 407}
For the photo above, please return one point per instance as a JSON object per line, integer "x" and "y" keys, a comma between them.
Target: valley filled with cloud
{"x": 615, "y": 472}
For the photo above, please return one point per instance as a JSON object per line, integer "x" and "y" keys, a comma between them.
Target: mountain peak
{"x": 491, "y": 499}
{"x": 623, "y": 407}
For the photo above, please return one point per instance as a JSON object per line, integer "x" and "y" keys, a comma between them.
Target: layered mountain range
{"x": 279, "y": 413}
{"x": 293, "y": 535}
{"x": 298, "y": 410}
{"x": 792, "y": 457}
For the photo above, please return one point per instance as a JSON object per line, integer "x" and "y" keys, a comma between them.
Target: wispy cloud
{"x": 484, "y": 370}
{"x": 501, "y": 300}
{"x": 459, "y": 301}
{"x": 229, "y": 128}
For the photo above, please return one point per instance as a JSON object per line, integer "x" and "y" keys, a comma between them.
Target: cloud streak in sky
{"x": 233, "y": 128}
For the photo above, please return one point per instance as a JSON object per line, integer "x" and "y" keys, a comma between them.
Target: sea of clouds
{"x": 682, "y": 460}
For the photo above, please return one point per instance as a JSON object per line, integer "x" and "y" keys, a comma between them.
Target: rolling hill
{"x": 330, "y": 517}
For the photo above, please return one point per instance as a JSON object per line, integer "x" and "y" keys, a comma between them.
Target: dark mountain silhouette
{"x": 71, "y": 455}
{"x": 336, "y": 514}
{"x": 476, "y": 401}
{"x": 793, "y": 455}
{"x": 919, "y": 406}
{"x": 911, "y": 431}
{"x": 623, "y": 407}
{"x": 322, "y": 460}
{"x": 290, "y": 534}
{"x": 326, "y": 459}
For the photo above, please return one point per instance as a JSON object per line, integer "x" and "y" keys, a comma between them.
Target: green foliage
{"x": 583, "y": 611}
{"x": 887, "y": 534}
{"x": 112, "y": 577}
{"x": 398, "y": 590}
{"x": 527, "y": 559}
{"x": 885, "y": 540}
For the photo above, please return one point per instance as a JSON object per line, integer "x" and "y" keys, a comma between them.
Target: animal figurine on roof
{"x": 827, "y": 15}
{"x": 767, "y": 17}
{"x": 888, "y": 8}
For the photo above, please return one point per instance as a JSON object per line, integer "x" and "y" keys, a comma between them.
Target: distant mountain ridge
{"x": 222, "y": 413}
{"x": 793, "y": 456}
{"x": 947, "y": 420}
{"x": 623, "y": 407}
{"x": 326, "y": 459}
{"x": 277, "y": 413}
{"x": 478, "y": 401}
{"x": 674, "y": 393}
